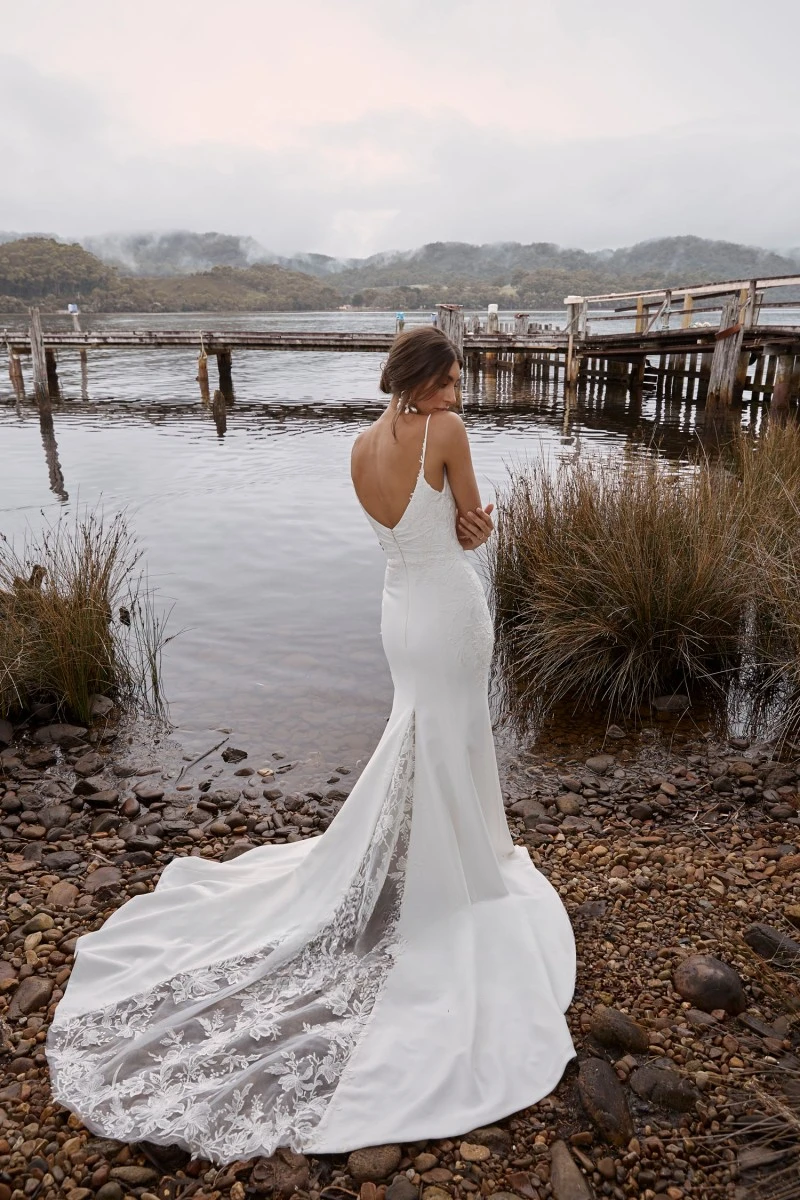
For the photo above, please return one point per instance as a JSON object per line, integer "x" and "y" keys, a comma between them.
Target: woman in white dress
{"x": 403, "y": 976}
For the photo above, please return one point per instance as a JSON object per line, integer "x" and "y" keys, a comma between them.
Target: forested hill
{"x": 216, "y": 272}
{"x": 51, "y": 273}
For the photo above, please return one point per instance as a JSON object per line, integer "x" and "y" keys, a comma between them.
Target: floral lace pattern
{"x": 244, "y": 1055}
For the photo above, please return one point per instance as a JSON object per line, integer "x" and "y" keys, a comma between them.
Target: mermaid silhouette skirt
{"x": 403, "y": 976}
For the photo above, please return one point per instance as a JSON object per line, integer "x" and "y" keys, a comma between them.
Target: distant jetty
{"x": 714, "y": 361}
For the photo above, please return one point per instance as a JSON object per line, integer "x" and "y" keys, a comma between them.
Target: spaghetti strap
{"x": 424, "y": 444}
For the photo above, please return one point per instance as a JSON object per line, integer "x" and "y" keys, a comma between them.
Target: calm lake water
{"x": 255, "y": 537}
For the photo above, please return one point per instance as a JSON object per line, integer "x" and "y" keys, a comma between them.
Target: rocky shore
{"x": 677, "y": 857}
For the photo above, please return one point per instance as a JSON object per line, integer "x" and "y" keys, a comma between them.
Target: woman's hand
{"x": 474, "y": 528}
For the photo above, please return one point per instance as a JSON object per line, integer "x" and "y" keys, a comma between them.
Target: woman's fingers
{"x": 477, "y": 524}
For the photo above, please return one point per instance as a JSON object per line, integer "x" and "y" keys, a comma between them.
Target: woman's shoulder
{"x": 447, "y": 428}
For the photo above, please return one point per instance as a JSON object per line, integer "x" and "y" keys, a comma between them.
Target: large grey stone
{"x": 772, "y": 944}
{"x": 614, "y": 1028}
{"x": 664, "y": 1086}
{"x": 34, "y": 992}
{"x": 149, "y": 790}
{"x": 709, "y": 983}
{"x": 566, "y": 1178}
{"x": 60, "y": 735}
{"x": 90, "y": 763}
{"x": 56, "y": 816}
{"x": 103, "y": 878}
{"x": 600, "y": 763}
{"x": 603, "y": 1098}
{"x": 373, "y": 1163}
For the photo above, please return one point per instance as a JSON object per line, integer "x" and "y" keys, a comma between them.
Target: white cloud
{"x": 362, "y": 126}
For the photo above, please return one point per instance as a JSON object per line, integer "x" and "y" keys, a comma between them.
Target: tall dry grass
{"x": 62, "y": 638}
{"x": 614, "y": 581}
{"x": 768, "y": 468}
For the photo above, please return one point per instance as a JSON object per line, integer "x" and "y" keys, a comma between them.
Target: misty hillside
{"x": 184, "y": 272}
{"x": 178, "y": 253}
{"x": 51, "y": 273}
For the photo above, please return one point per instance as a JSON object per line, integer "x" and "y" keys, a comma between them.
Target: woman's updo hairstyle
{"x": 417, "y": 357}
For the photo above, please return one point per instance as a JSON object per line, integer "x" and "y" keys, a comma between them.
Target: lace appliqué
{"x": 244, "y": 1055}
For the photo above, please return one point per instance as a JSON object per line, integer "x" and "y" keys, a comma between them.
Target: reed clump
{"x": 768, "y": 469}
{"x": 615, "y": 581}
{"x": 77, "y": 618}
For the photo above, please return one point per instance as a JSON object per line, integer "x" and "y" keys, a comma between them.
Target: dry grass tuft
{"x": 614, "y": 582}
{"x": 61, "y": 636}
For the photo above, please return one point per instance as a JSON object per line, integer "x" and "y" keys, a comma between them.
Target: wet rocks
{"x": 604, "y": 1100}
{"x": 282, "y": 1174}
{"x": 473, "y": 1152}
{"x": 88, "y": 764}
{"x": 65, "y": 736}
{"x": 496, "y": 1138}
{"x": 62, "y": 860}
{"x": 613, "y": 1028}
{"x": 601, "y": 763}
{"x": 566, "y": 1178}
{"x": 401, "y": 1188}
{"x": 33, "y": 993}
{"x": 664, "y": 1086}
{"x": 100, "y": 706}
{"x": 569, "y": 804}
{"x": 373, "y": 1163}
{"x": 772, "y": 944}
{"x": 148, "y": 791}
{"x": 134, "y": 1176}
{"x": 62, "y": 894}
{"x": 103, "y": 879}
{"x": 56, "y": 816}
{"x": 231, "y": 755}
{"x": 531, "y": 810}
{"x": 6, "y": 733}
{"x": 709, "y": 983}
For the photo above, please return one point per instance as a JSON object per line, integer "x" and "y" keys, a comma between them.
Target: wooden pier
{"x": 703, "y": 342}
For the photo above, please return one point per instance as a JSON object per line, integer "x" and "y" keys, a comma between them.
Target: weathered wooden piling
{"x": 51, "y": 363}
{"x": 41, "y": 389}
{"x": 219, "y": 412}
{"x": 202, "y": 375}
{"x": 15, "y": 375}
{"x": 450, "y": 319}
{"x": 224, "y": 367}
{"x": 782, "y": 387}
{"x": 724, "y": 364}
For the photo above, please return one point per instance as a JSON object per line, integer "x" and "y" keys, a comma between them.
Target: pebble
{"x": 645, "y": 895}
{"x": 566, "y": 1178}
{"x": 373, "y": 1163}
{"x": 473, "y": 1153}
{"x": 613, "y": 1028}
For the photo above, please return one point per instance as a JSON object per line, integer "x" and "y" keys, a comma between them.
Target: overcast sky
{"x": 347, "y": 127}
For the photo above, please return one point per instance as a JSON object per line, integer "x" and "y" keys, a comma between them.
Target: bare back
{"x": 385, "y": 468}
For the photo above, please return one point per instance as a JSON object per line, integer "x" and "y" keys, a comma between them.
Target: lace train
{"x": 243, "y": 1055}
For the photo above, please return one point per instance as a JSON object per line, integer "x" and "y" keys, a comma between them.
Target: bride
{"x": 405, "y": 975}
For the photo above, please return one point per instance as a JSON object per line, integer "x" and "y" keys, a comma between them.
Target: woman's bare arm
{"x": 474, "y": 525}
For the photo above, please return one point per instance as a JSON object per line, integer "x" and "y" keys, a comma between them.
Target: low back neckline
{"x": 420, "y": 477}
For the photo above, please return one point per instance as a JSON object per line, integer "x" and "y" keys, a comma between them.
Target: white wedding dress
{"x": 403, "y": 976}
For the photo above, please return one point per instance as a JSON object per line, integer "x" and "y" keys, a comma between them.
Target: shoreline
{"x": 662, "y": 849}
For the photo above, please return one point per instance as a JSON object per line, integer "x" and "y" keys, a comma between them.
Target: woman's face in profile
{"x": 443, "y": 391}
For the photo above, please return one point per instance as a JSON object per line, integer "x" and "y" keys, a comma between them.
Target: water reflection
{"x": 249, "y": 524}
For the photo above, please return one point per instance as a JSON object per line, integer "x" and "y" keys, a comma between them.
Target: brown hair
{"x": 417, "y": 356}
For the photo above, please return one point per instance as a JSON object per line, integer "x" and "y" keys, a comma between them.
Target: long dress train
{"x": 403, "y": 976}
